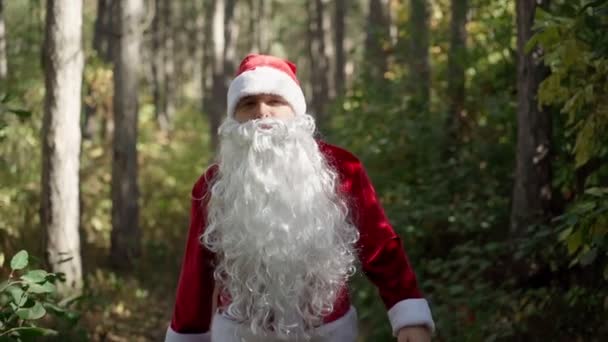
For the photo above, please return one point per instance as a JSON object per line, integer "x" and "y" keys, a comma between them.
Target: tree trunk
{"x": 325, "y": 12}
{"x": 377, "y": 36}
{"x": 532, "y": 189}
{"x": 3, "y": 59}
{"x": 217, "y": 103}
{"x": 258, "y": 41}
{"x": 456, "y": 74}
{"x": 92, "y": 124}
{"x": 419, "y": 55}
{"x": 102, "y": 34}
{"x": 179, "y": 58}
{"x": 231, "y": 32}
{"x": 224, "y": 30}
{"x": 264, "y": 37}
{"x": 254, "y": 26}
{"x": 340, "y": 60}
{"x": 170, "y": 31}
{"x": 207, "y": 66}
{"x": 319, "y": 61}
{"x": 125, "y": 237}
{"x": 197, "y": 44}
{"x": 158, "y": 65}
{"x": 63, "y": 62}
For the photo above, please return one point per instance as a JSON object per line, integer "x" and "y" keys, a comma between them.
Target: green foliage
{"x": 6, "y": 109}
{"x": 26, "y": 297}
{"x": 453, "y": 213}
{"x": 575, "y": 47}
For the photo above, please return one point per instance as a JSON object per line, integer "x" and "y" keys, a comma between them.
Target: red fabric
{"x": 381, "y": 255}
{"x": 252, "y": 61}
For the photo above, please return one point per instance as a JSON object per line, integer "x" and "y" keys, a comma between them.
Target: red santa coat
{"x": 380, "y": 252}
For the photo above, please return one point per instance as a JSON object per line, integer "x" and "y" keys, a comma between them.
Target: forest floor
{"x": 121, "y": 307}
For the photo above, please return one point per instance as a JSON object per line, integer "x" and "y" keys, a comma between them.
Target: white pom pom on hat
{"x": 265, "y": 74}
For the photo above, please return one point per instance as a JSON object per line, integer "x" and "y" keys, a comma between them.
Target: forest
{"x": 483, "y": 125}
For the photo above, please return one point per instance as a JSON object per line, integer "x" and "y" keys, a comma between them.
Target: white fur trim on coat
{"x": 266, "y": 80}
{"x": 344, "y": 329}
{"x": 408, "y": 312}
{"x": 173, "y": 336}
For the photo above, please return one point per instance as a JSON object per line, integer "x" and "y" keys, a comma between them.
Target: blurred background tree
{"x": 482, "y": 123}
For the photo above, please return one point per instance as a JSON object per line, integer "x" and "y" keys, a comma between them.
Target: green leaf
{"x": 64, "y": 312}
{"x": 54, "y": 308}
{"x": 584, "y": 143}
{"x": 574, "y": 241}
{"x": 456, "y": 289}
{"x": 35, "y": 312}
{"x": 571, "y": 53}
{"x": 20, "y": 260}
{"x": 583, "y": 208}
{"x": 4, "y": 285}
{"x": 588, "y": 257}
{"x": 531, "y": 44}
{"x": 21, "y": 113}
{"x": 598, "y": 192}
{"x": 565, "y": 234}
{"x": 35, "y": 276}
{"x": 18, "y": 294}
{"x": 42, "y": 288}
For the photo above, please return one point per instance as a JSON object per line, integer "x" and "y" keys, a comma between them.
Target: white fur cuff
{"x": 173, "y": 336}
{"x": 408, "y": 312}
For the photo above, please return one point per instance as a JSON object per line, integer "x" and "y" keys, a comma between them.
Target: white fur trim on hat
{"x": 266, "y": 80}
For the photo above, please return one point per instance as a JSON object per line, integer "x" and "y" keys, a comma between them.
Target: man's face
{"x": 262, "y": 106}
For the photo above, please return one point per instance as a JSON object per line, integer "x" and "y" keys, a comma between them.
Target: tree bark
{"x": 125, "y": 236}
{"x": 207, "y": 66}
{"x": 103, "y": 30}
{"x": 197, "y": 44}
{"x": 456, "y": 73}
{"x": 378, "y": 27}
{"x": 224, "y": 30}
{"x": 264, "y": 34}
{"x": 340, "y": 59}
{"x": 532, "y": 189}
{"x": 217, "y": 103}
{"x": 419, "y": 55}
{"x": 254, "y": 26}
{"x": 319, "y": 60}
{"x": 63, "y": 62}
{"x": 170, "y": 31}
{"x": 3, "y": 58}
{"x": 158, "y": 65}
{"x": 231, "y": 32}
{"x": 93, "y": 124}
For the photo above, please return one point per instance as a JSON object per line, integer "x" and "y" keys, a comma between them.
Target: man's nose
{"x": 262, "y": 110}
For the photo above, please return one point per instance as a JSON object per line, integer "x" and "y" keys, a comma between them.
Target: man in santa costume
{"x": 280, "y": 223}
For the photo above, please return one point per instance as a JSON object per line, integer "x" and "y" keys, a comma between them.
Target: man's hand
{"x": 417, "y": 333}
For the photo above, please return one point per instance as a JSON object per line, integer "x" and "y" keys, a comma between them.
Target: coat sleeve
{"x": 193, "y": 303}
{"x": 383, "y": 259}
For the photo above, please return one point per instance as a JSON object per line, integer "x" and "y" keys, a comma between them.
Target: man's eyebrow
{"x": 245, "y": 99}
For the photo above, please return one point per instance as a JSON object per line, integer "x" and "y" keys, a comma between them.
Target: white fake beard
{"x": 279, "y": 227}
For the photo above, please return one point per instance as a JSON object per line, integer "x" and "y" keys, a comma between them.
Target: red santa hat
{"x": 263, "y": 74}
